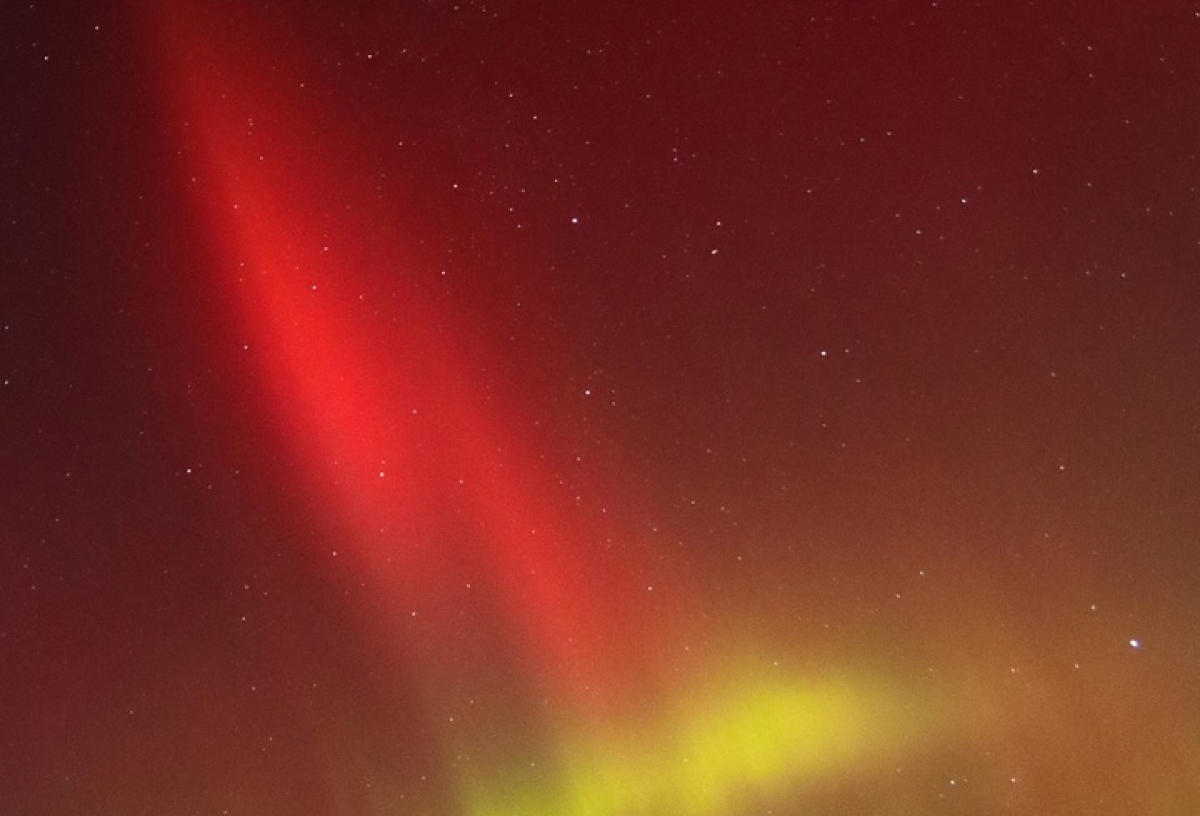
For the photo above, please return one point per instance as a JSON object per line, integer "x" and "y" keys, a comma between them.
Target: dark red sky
{"x": 600, "y": 408}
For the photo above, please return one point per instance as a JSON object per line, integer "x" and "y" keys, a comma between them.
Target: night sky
{"x": 580, "y": 408}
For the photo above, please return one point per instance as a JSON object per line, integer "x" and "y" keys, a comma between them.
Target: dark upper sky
{"x": 600, "y": 408}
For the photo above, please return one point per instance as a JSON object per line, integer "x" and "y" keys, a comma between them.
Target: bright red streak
{"x": 392, "y": 433}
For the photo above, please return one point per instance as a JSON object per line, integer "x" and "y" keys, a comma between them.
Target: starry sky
{"x": 600, "y": 408}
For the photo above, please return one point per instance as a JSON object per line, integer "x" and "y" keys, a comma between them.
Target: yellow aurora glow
{"x": 731, "y": 746}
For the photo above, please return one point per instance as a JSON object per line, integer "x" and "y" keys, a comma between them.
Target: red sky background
{"x": 600, "y": 408}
